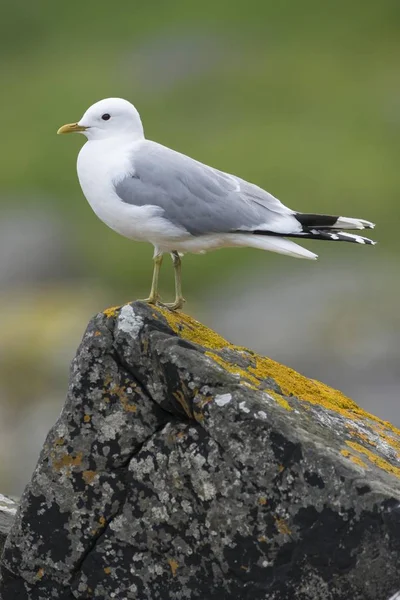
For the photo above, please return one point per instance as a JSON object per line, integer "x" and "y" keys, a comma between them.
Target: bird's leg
{"x": 179, "y": 299}
{"x": 154, "y": 297}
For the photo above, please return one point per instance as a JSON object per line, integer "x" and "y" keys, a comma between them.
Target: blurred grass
{"x": 301, "y": 98}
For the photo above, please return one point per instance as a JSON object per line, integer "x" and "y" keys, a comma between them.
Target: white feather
{"x": 349, "y": 223}
{"x": 279, "y": 245}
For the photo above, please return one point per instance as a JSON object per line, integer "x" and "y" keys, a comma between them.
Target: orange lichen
{"x": 120, "y": 392}
{"x": 282, "y": 526}
{"x": 88, "y": 476}
{"x": 173, "y": 566}
{"x": 68, "y": 461}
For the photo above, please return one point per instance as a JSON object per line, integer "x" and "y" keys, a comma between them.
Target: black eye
{"x": 106, "y": 117}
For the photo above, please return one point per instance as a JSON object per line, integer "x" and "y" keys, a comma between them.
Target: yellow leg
{"x": 154, "y": 297}
{"x": 179, "y": 299}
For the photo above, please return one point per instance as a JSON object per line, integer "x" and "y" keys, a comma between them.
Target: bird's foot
{"x": 177, "y": 305}
{"x": 152, "y": 299}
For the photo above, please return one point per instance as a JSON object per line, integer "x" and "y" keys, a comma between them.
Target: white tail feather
{"x": 276, "y": 244}
{"x": 349, "y": 223}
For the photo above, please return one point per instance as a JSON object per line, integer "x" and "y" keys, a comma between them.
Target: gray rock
{"x": 8, "y": 508}
{"x": 184, "y": 468}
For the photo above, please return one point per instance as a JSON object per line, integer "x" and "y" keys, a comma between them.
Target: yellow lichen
{"x": 280, "y": 400}
{"x": 234, "y": 369}
{"x": 262, "y": 501}
{"x": 111, "y": 312}
{"x": 375, "y": 459}
{"x": 355, "y": 459}
{"x": 309, "y": 391}
{"x": 87, "y": 418}
{"x": 107, "y": 570}
{"x": 193, "y": 331}
{"x": 387, "y": 432}
{"x": 173, "y": 566}
{"x": 40, "y": 573}
{"x": 362, "y": 436}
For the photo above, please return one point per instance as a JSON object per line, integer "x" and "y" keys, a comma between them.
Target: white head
{"x": 109, "y": 118}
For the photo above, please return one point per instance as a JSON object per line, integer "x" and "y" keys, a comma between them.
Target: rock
{"x": 8, "y": 508}
{"x": 185, "y": 468}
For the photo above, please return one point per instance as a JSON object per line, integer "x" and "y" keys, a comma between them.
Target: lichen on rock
{"x": 185, "y": 467}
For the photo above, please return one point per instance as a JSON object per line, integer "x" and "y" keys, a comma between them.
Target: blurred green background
{"x": 301, "y": 98}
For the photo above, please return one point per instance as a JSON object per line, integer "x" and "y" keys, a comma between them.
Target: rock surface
{"x": 182, "y": 467}
{"x": 8, "y": 508}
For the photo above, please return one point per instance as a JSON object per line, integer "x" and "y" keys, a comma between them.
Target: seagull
{"x": 148, "y": 192}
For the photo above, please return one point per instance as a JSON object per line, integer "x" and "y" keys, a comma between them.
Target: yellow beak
{"x": 71, "y": 128}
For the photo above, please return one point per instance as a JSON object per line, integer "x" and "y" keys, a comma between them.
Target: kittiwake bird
{"x": 148, "y": 192}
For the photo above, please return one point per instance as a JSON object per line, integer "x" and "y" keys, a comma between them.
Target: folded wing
{"x": 199, "y": 199}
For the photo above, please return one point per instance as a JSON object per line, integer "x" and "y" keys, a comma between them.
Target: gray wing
{"x": 196, "y": 197}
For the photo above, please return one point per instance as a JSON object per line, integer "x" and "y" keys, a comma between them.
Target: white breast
{"x": 100, "y": 164}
